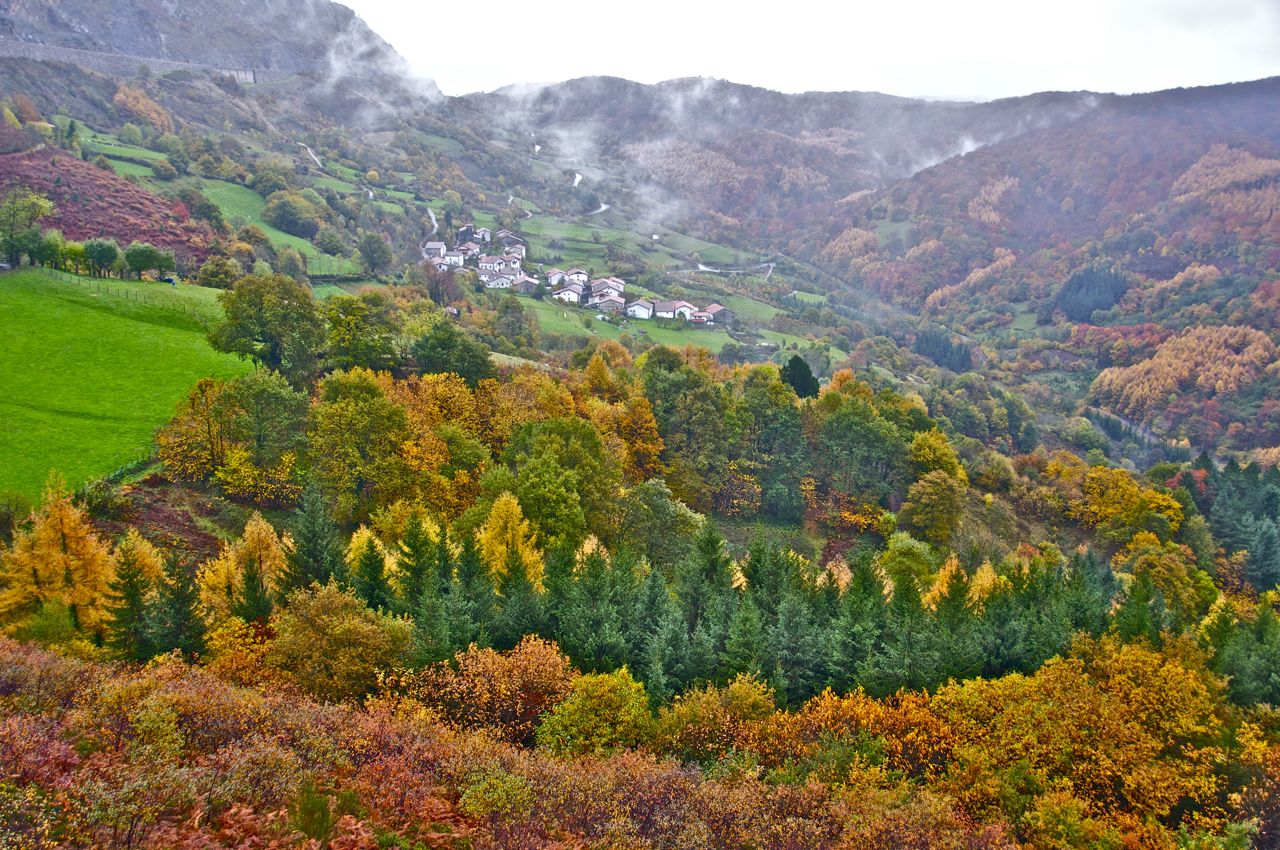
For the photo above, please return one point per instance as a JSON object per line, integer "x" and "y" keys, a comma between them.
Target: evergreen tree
{"x": 1089, "y": 589}
{"x": 704, "y": 587}
{"x": 252, "y": 603}
{"x": 520, "y": 610}
{"x": 1141, "y": 613}
{"x": 590, "y": 630}
{"x": 910, "y": 656}
{"x": 432, "y": 640}
{"x": 797, "y": 374}
{"x": 664, "y": 660}
{"x": 795, "y": 644}
{"x": 173, "y": 620}
{"x": 856, "y": 631}
{"x": 961, "y": 641}
{"x": 745, "y": 649}
{"x": 418, "y": 566}
{"x": 316, "y": 556}
{"x": 126, "y": 616}
{"x": 653, "y": 603}
{"x": 1263, "y": 571}
{"x": 370, "y": 580}
{"x": 474, "y": 585}
{"x": 558, "y": 584}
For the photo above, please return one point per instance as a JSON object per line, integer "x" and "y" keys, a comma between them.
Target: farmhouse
{"x": 570, "y": 293}
{"x": 440, "y": 264}
{"x": 481, "y": 234}
{"x": 493, "y": 264}
{"x": 640, "y": 309}
{"x": 434, "y": 249}
{"x": 610, "y": 304}
{"x": 718, "y": 314}
{"x": 555, "y": 277}
{"x": 673, "y": 309}
{"x": 577, "y": 276}
{"x": 455, "y": 258}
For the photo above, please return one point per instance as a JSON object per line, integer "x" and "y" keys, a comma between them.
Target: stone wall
{"x": 119, "y": 65}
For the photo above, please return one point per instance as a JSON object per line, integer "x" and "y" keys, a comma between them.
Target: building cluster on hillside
{"x": 479, "y": 246}
{"x": 498, "y": 257}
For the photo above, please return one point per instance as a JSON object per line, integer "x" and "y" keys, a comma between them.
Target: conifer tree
{"x": 795, "y": 644}
{"x": 369, "y": 578}
{"x": 138, "y": 566}
{"x": 744, "y": 649}
{"x": 1141, "y": 614}
{"x": 173, "y": 621}
{"x": 1263, "y": 571}
{"x": 520, "y": 610}
{"x": 418, "y": 566}
{"x": 253, "y": 603}
{"x": 317, "y": 556}
{"x": 910, "y": 655}
{"x": 591, "y": 624}
{"x": 857, "y": 627}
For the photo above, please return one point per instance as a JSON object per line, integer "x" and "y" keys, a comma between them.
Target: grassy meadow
{"x": 86, "y": 376}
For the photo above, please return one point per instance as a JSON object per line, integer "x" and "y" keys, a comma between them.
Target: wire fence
{"x": 120, "y": 289}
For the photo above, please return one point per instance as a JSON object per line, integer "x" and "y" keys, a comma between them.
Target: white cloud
{"x": 936, "y": 48}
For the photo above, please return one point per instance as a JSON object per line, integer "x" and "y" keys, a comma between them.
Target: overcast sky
{"x": 933, "y": 48}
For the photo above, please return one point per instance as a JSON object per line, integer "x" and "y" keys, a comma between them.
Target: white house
{"x": 555, "y": 277}
{"x": 483, "y": 234}
{"x": 434, "y": 249}
{"x": 440, "y": 264}
{"x": 517, "y": 250}
{"x": 607, "y": 286}
{"x": 499, "y": 281}
{"x": 570, "y": 294}
{"x": 455, "y": 258}
{"x": 640, "y": 309}
{"x": 471, "y": 249}
{"x": 673, "y": 309}
{"x": 513, "y": 261}
{"x": 493, "y": 264}
{"x": 577, "y": 276}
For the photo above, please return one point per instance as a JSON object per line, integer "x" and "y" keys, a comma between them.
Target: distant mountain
{"x": 290, "y": 35}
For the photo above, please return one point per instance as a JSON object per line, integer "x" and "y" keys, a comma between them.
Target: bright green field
{"x": 86, "y": 377}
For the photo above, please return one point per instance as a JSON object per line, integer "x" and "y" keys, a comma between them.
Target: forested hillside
{"x": 601, "y": 465}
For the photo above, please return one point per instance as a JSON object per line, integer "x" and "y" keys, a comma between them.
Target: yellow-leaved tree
{"x": 260, "y": 554}
{"x": 59, "y": 560}
{"x": 507, "y": 532}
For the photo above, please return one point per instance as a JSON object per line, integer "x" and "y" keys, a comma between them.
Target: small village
{"x": 499, "y": 260}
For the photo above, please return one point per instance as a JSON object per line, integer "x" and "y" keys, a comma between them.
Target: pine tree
{"x": 910, "y": 656}
{"x": 253, "y": 603}
{"x": 126, "y": 616}
{"x": 856, "y": 631}
{"x": 796, "y": 646}
{"x": 418, "y": 566}
{"x": 664, "y": 659}
{"x": 432, "y": 640}
{"x": 317, "y": 555}
{"x": 744, "y": 649}
{"x": 474, "y": 583}
{"x": 173, "y": 620}
{"x": 1263, "y": 570}
{"x": 591, "y": 625}
{"x": 370, "y": 579}
{"x": 520, "y": 610}
{"x": 1141, "y": 613}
